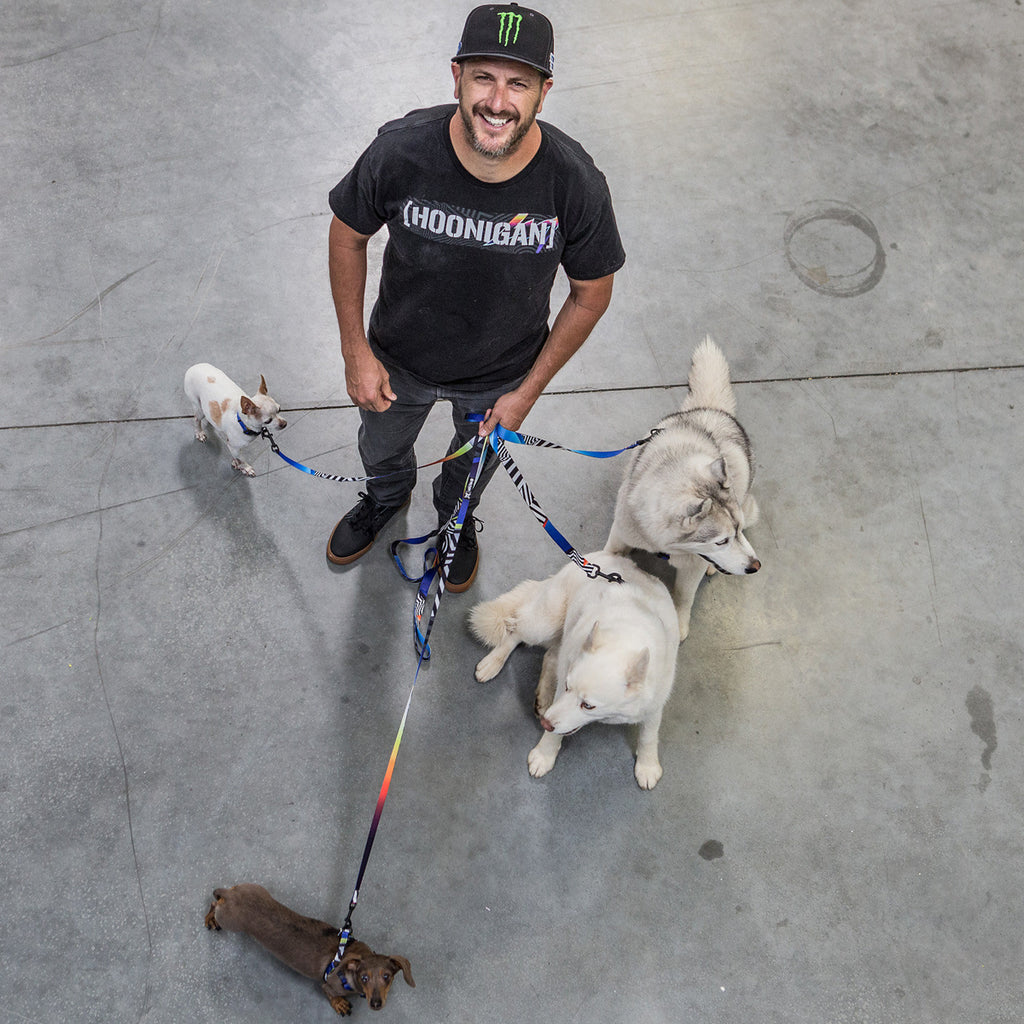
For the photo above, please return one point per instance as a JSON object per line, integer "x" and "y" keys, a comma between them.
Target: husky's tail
{"x": 709, "y": 383}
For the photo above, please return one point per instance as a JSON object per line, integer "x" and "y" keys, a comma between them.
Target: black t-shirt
{"x": 468, "y": 268}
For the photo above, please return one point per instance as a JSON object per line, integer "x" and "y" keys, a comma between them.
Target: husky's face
{"x": 695, "y": 512}
{"x": 605, "y": 683}
{"x": 714, "y": 530}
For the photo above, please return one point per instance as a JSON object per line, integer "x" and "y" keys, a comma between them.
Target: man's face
{"x": 499, "y": 101}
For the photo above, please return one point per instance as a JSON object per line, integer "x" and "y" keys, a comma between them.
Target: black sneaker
{"x": 466, "y": 560}
{"x": 357, "y": 530}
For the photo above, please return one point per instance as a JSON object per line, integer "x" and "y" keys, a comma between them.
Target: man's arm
{"x": 366, "y": 379}
{"x": 584, "y": 306}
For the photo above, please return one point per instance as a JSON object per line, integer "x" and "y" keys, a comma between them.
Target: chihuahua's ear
{"x": 399, "y": 963}
{"x": 248, "y": 406}
{"x": 263, "y": 384}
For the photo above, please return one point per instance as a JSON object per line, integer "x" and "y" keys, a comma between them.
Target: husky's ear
{"x": 717, "y": 471}
{"x": 638, "y": 669}
{"x": 248, "y": 406}
{"x": 591, "y": 642}
{"x": 263, "y": 385}
{"x": 694, "y": 512}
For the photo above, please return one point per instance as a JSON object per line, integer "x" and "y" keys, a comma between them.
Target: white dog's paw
{"x": 684, "y": 625}
{"x": 647, "y": 773}
{"x": 541, "y": 759}
{"x": 489, "y": 666}
{"x": 243, "y": 467}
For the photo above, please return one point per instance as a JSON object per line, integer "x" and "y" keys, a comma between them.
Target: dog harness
{"x": 343, "y": 939}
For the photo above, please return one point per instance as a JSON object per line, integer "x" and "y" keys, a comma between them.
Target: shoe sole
{"x": 349, "y": 559}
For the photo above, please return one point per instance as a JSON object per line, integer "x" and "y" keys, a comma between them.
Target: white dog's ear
{"x": 638, "y": 670}
{"x": 248, "y": 406}
{"x": 591, "y": 642}
{"x": 263, "y": 385}
{"x": 717, "y": 471}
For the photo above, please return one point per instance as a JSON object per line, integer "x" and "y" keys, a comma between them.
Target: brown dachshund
{"x": 307, "y": 945}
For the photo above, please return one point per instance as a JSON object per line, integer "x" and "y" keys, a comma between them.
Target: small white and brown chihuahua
{"x": 235, "y": 416}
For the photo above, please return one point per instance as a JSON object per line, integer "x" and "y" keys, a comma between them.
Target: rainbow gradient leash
{"x": 449, "y": 542}
{"x": 437, "y": 561}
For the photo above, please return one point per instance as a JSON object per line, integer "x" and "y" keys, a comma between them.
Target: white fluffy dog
{"x": 611, "y": 653}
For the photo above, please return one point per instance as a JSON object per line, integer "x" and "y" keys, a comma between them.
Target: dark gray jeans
{"x": 387, "y": 439}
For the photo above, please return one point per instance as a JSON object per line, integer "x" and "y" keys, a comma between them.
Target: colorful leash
{"x": 320, "y": 475}
{"x": 514, "y": 437}
{"x": 449, "y": 541}
{"x": 497, "y": 439}
{"x": 436, "y": 564}
{"x": 436, "y": 560}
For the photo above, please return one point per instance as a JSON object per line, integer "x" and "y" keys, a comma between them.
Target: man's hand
{"x": 367, "y": 382}
{"x": 510, "y": 410}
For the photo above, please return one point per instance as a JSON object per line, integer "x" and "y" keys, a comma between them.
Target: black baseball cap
{"x": 510, "y": 32}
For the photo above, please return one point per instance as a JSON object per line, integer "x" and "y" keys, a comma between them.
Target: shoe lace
{"x": 361, "y": 517}
{"x": 470, "y": 528}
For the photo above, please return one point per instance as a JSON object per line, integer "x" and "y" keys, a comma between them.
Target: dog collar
{"x": 245, "y": 429}
{"x": 710, "y": 561}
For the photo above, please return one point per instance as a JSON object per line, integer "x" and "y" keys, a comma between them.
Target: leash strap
{"x": 437, "y": 561}
{"x": 320, "y": 475}
{"x": 590, "y": 568}
{"x": 514, "y": 437}
{"x": 449, "y": 541}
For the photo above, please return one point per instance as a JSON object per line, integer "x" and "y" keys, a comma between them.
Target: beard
{"x": 520, "y": 130}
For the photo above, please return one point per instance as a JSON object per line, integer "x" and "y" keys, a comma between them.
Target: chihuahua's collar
{"x": 245, "y": 429}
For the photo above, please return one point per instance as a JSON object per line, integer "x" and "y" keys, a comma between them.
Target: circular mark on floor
{"x": 834, "y": 249}
{"x": 712, "y": 850}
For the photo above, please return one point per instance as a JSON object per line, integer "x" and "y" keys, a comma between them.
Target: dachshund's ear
{"x": 399, "y": 963}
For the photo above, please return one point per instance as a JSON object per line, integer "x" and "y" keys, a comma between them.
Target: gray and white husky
{"x": 685, "y": 494}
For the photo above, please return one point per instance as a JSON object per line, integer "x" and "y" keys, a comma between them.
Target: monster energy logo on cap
{"x": 507, "y": 21}
{"x": 510, "y": 32}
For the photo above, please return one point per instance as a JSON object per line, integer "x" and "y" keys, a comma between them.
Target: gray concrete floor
{"x": 193, "y": 697}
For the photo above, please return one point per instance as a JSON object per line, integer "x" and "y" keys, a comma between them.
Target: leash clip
{"x": 270, "y": 437}
{"x": 593, "y": 571}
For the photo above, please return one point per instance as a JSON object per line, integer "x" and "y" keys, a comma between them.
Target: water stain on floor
{"x": 983, "y": 722}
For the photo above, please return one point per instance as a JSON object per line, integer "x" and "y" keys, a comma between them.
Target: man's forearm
{"x": 347, "y": 265}
{"x": 585, "y": 305}
{"x": 366, "y": 380}
{"x": 582, "y": 309}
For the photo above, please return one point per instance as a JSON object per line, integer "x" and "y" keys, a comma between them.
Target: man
{"x": 482, "y": 204}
